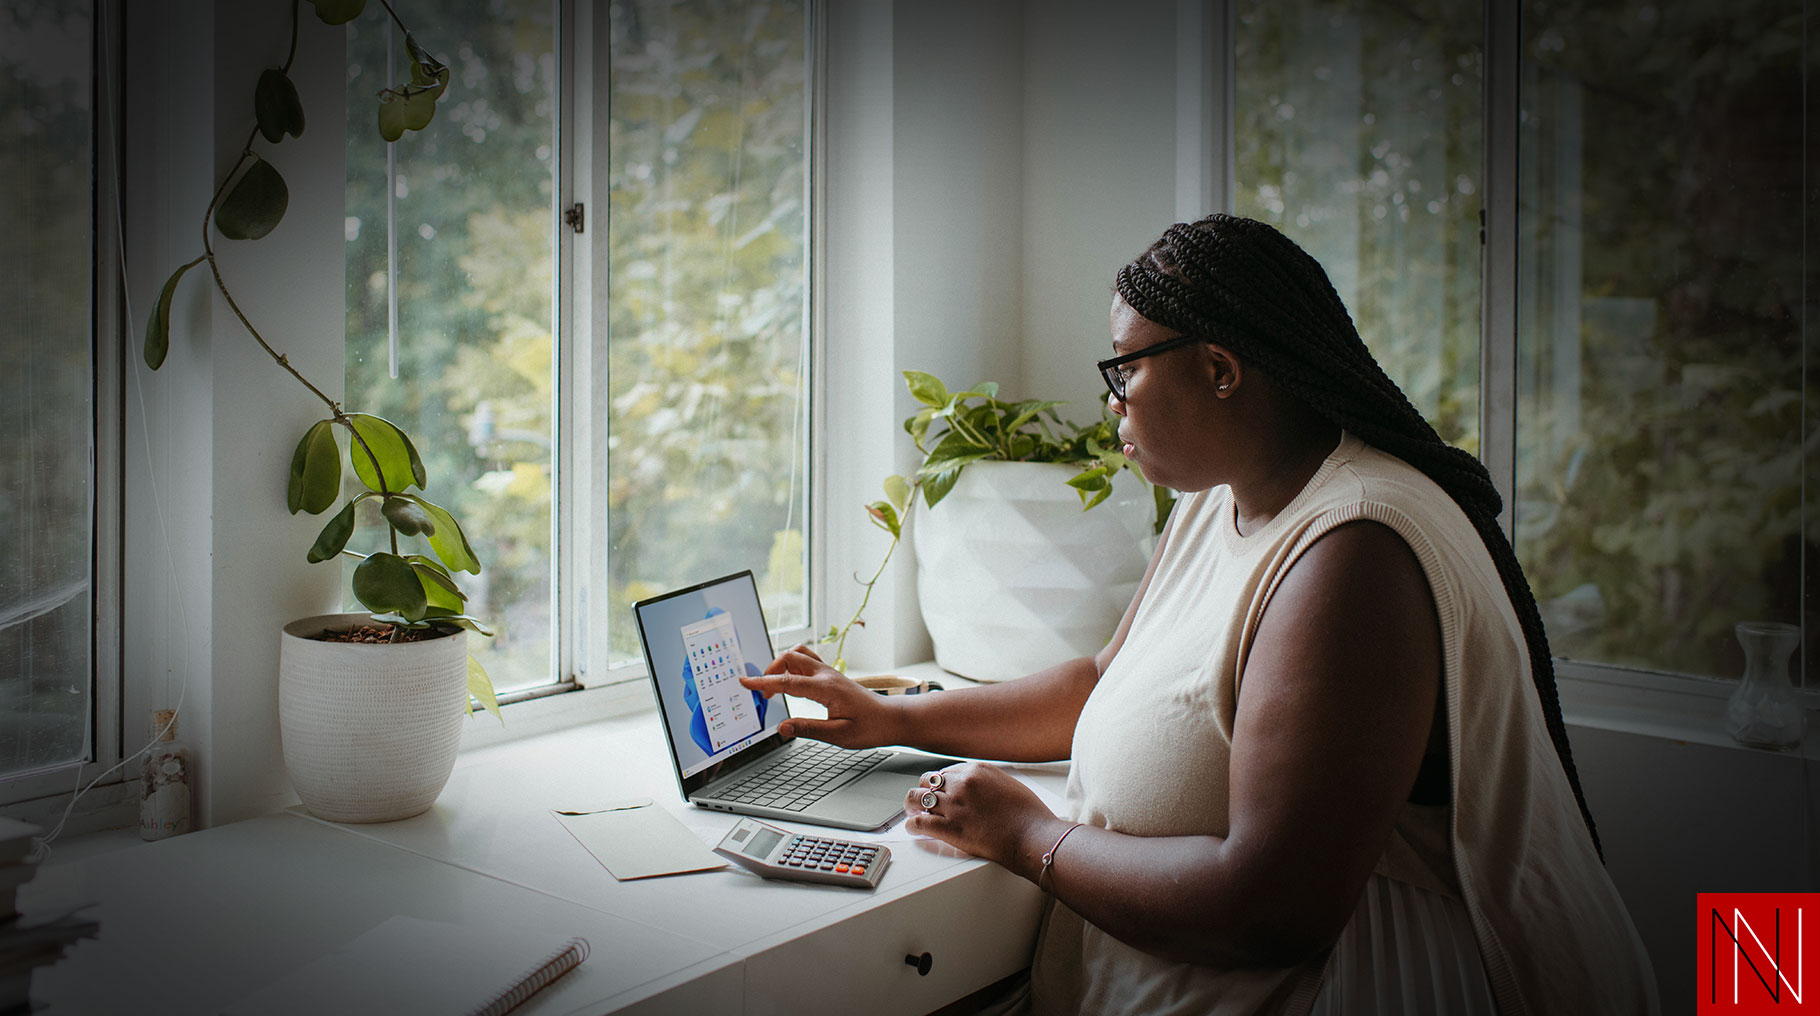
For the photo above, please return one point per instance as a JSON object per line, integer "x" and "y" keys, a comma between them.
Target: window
{"x": 1358, "y": 132}
{"x": 708, "y": 350}
{"x": 595, "y": 454}
{"x": 1661, "y": 290}
{"x": 1659, "y": 424}
{"x": 55, "y": 394}
{"x": 452, "y": 329}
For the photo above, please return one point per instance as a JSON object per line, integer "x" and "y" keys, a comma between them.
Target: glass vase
{"x": 1764, "y": 712}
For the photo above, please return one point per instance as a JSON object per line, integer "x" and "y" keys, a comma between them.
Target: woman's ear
{"x": 1223, "y": 369}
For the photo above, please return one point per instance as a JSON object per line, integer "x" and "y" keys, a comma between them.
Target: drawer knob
{"x": 921, "y": 963}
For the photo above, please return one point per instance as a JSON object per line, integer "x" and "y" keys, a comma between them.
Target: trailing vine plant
{"x": 970, "y": 426}
{"x": 399, "y": 588}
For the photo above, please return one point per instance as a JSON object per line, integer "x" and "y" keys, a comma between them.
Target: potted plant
{"x": 1013, "y": 573}
{"x": 370, "y": 704}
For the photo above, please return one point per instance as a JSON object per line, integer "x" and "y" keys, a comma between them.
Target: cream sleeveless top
{"x": 1509, "y": 859}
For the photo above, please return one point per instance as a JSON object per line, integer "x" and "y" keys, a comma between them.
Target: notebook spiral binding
{"x": 538, "y": 978}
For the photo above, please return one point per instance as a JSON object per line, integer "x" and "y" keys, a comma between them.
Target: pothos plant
{"x": 953, "y": 430}
{"x": 405, "y": 590}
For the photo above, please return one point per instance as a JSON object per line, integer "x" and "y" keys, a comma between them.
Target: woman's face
{"x": 1171, "y": 415}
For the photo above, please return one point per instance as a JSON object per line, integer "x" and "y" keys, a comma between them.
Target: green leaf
{"x": 884, "y": 517}
{"x": 158, "y": 329}
{"x": 918, "y": 426}
{"x": 315, "y": 470}
{"x": 277, "y": 107}
{"x": 449, "y": 542}
{"x": 407, "y": 517}
{"x": 386, "y": 583}
{"x": 439, "y": 591}
{"x": 480, "y": 686}
{"x": 937, "y": 486}
{"x": 926, "y": 388}
{"x": 897, "y": 491}
{"x": 256, "y": 204}
{"x": 334, "y": 536}
{"x": 460, "y": 621}
{"x": 986, "y": 389}
{"x": 338, "y": 12}
{"x": 1024, "y": 412}
{"x": 397, "y": 457}
{"x": 410, "y": 107}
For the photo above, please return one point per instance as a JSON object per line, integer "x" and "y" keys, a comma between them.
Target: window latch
{"x": 576, "y": 216}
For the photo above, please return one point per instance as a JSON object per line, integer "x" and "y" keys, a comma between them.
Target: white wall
{"x": 989, "y": 166}
{"x": 213, "y": 564}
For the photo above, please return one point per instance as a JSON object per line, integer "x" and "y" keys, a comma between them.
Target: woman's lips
{"x": 1126, "y": 449}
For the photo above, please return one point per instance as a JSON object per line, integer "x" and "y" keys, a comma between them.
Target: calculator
{"x": 780, "y": 853}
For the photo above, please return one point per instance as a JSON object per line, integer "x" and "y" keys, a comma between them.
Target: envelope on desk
{"x": 637, "y": 839}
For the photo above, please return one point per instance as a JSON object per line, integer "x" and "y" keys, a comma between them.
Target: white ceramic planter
{"x": 370, "y": 731}
{"x": 1013, "y": 577}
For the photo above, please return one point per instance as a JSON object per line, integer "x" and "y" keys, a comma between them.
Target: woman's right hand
{"x": 857, "y": 718}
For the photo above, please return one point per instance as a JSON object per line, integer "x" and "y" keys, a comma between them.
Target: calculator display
{"x": 762, "y": 843}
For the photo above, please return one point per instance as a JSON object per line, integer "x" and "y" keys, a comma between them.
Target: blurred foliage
{"x": 708, "y": 354}
{"x": 473, "y": 196}
{"x": 707, "y": 445}
{"x": 46, "y": 380}
{"x": 1660, "y": 437}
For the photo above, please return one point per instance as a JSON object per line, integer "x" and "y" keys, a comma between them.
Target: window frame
{"x": 585, "y": 268}
{"x": 42, "y": 795}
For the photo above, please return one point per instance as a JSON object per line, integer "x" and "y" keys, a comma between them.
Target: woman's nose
{"x": 1115, "y": 404}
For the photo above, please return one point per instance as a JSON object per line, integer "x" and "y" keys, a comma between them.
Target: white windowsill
{"x": 1668, "y": 706}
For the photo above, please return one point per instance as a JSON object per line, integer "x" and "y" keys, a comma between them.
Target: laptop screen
{"x": 698, "y": 642}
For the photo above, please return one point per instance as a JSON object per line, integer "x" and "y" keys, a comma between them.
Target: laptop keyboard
{"x": 802, "y": 777}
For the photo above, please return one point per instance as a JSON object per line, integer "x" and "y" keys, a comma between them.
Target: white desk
{"x": 190, "y": 924}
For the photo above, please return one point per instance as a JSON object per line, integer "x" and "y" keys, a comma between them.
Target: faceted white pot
{"x": 370, "y": 731}
{"x": 1013, "y": 576}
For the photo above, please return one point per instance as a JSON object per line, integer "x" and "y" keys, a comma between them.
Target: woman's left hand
{"x": 981, "y": 809}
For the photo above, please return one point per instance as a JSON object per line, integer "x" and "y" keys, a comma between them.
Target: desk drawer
{"x": 976, "y": 928}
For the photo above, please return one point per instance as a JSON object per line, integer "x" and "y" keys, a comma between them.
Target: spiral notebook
{"x": 408, "y": 964}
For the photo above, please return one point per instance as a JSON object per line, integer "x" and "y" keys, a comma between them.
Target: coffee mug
{"x": 894, "y": 684}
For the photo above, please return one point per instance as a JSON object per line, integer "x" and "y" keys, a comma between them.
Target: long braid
{"x": 1249, "y": 287}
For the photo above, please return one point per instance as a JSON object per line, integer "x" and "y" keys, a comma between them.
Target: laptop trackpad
{"x": 875, "y": 798}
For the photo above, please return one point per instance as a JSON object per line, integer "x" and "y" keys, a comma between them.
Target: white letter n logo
{"x": 1772, "y": 959}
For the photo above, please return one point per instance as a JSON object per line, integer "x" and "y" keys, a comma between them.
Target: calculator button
{"x": 858, "y": 869}
{"x": 840, "y": 868}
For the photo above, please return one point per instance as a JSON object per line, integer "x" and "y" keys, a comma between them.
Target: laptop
{"x": 724, "y": 745}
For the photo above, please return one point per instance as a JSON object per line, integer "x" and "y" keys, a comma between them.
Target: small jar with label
{"x": 164, "y": 781}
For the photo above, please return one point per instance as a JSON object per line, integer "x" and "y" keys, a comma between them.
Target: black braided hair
{"x": 1247, "y": 286}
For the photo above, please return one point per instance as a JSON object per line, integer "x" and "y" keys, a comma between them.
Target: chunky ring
{"x": 935, "y": 781}
{"x": 930, "y": 800}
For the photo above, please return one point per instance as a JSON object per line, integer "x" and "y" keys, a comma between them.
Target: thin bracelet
{"x": 1049, "y": 858}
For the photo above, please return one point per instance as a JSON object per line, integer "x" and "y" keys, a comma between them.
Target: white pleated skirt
{"x": 1406, "y": 950}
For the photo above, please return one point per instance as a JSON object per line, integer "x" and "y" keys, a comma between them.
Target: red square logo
{"x": 1754, "y": 951}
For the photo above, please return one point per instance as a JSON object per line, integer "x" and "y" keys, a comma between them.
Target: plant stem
{"x": 394, "y": 14}
{"x": 292, "y": 55}
{"x": 840, "y": 645}
{"x": 208, "y": 253}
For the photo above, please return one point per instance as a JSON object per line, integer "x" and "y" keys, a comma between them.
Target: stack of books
{"x": 27, "y": 943}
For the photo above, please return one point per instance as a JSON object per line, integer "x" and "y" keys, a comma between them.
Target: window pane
{"x": 1357, "y": 131}
{"x": 46, "y": 382}
{"x": 708, "y": 447}
{"x": 1661, "y": 287}
{"x": 471, "y": 229}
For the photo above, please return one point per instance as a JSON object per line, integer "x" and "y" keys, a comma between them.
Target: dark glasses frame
{"x": 1115, "y": 378}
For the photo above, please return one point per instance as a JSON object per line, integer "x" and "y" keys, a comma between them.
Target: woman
{"x": 1321, "y": 765}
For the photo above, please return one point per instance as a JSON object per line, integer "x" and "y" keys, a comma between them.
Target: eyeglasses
{"x": 1113, "y": 370}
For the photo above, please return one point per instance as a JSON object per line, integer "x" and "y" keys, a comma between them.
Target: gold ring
{"x": 930, "y": 800}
